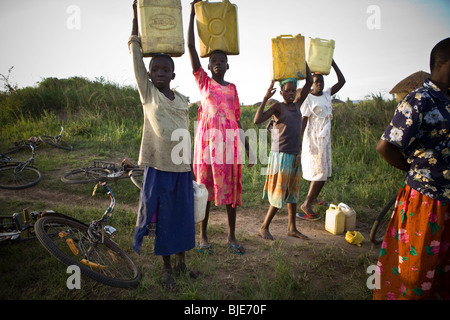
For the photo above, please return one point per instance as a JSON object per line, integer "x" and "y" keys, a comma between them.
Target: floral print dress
{"x": 414, "y": 260}
{"x": 217, "y": 148}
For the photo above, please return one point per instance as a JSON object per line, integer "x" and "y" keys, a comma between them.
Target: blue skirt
{"x": 166, "y": 198}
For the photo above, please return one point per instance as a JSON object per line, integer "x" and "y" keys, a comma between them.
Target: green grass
{"x": 104, "y": 121}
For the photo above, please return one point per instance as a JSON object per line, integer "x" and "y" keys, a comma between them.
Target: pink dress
{"x": 217, "y": 153}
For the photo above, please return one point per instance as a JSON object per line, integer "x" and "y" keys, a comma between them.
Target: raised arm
{"x": 341, "y": 79}
{"x": 262, "y": 115}
{"x": 195, "y": 60}
{"x": 134, "y": 29}
{"x": 140, "y": 71}
{"x": 306, "y": 88}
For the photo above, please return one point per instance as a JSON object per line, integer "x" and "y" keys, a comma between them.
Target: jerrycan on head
{"x": 161, "y": 27}
{"x": 288, "y": 57}
{"x": 217, "y": 27}
{"x": 320, "y": 55}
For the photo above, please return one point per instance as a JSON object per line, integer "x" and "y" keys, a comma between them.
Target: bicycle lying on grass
{"x": 381, "y": 223}
{"x": 56, "y": 141}
{"x": 89, "y": 246}
{"x": 12, "y": 229}
{"x": 18, "y": 174}
{"x": 105, "y": 171}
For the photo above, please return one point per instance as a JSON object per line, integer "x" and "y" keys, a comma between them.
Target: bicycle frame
{"x": 5, "y": 160}
{"x": 99, "y": 224}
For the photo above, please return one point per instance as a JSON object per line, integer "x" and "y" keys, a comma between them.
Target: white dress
{"x": 316, "y": 146}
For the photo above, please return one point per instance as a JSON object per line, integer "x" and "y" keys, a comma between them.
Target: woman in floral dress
{"x": 414, "y": 261}
{"x": 217, "y": 157}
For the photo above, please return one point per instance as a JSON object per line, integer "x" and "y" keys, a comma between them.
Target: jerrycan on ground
{"x": 320, "y": 55}
{"x": 217, "y": 27}
{"x": 161, "y": 27}
{"x": 200, "y": 201}
{"x": 288, "y": 57}
{"x": 350, "y": 217}
{"x": 335, "y": 220}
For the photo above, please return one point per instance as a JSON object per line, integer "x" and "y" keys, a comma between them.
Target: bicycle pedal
{"x": 110, "y": 230}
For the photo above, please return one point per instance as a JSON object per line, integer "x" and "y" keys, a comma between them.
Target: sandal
{"x": 237, "y": 249}
{"x": 205, "y": 248}
{"x": 322, "y": 203}
{"x": 305, "y": 216}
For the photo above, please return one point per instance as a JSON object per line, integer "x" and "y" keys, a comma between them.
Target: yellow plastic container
{"x": 335, "y": 220}
{"x": 350, "y": 217}
{"x": 354, "y": 237}
{"x": 320, "y": 55}
{"x": 217, "y": 27}
{"x": 161, "y": 27}
{"x": 288, "y": 57}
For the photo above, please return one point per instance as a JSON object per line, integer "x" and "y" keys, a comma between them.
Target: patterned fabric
{"x": 414, "y": 261}
{"x": 283, "y": 179}
{"x": 421, "y": 129}
{"x": 316, "y": 146}
{"x": 217, "y": 148}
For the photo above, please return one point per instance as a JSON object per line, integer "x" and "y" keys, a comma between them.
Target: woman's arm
{"x": 195, "y": 60}
{"x": 341, "y": 79}
{"x": 392, "y": 155}
{"x": 262, "y": 115}
{"x": 306, "y": 88}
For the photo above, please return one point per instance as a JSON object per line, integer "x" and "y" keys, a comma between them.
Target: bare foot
{"x": 297, "y": 234}
{"x": 193, "y": 274}
{"x": 307, "y": 209}
{"x": 265, "y": 234}
{"x": 167, "y": 280}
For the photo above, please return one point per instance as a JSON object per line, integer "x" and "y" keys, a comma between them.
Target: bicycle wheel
{"x": 85, "y": 175}
{"x": 55, "y": 142}
{"x": 136, "y": 176}
{"x": 68, "y": 240}
{"x": 25, "y": 178}
{"x": 381, "y": 223}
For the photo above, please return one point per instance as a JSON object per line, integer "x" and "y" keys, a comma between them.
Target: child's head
{"x": 289, "y": 89}
{"x": 161, "y": 70}
{"x": 318, "y": 83}
{"x": 218, "y": 62}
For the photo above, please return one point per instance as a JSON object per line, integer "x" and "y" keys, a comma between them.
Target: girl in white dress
{"x": 316, "y": 146}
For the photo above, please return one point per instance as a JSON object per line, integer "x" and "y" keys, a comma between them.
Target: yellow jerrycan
{"x": 320, "y": 55}
{"x": 335, "y": 220}
{"x": 161, "y": 27}
{"x": 288, "y": 57}
{"x": 217, "y": 27}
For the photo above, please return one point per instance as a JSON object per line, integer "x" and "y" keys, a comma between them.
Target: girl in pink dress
{"x": 217, "y": 157}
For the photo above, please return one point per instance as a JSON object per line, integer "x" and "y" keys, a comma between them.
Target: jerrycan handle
{"x": 343, "y": 206}
{"x": 333, "y": 206}
{"x": 285, "y": 36}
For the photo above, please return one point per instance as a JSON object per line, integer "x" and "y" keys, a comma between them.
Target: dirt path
{"x": 248, "y": 220}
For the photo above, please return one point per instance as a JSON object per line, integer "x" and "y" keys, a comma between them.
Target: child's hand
{"x": 271, "y": 91}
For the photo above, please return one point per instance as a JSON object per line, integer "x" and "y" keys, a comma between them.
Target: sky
{"x": 377, "y": 42}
